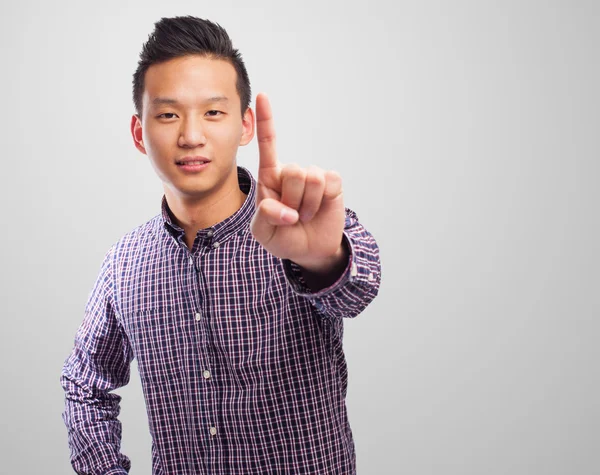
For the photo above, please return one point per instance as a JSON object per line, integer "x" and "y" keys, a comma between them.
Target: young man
{"x": 232, "y": 299}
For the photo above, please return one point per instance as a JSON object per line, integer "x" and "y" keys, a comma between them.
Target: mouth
{"x": 192, "y": 164}
{"x": 192, "y": 161}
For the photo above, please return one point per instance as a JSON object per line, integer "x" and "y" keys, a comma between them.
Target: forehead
{"x": 190, "y": 79}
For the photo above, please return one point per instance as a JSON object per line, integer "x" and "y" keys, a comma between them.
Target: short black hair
{"x": 187, "y": 35}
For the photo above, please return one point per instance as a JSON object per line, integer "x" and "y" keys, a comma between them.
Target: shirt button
{"x": 213, "y": 431}
{"x": 210, "y": 232}
{"x": 216, "y": 244}
{"x": 354, "y": 270}
{"x": 206, "y": 374}
{"x": 198, "y": 316}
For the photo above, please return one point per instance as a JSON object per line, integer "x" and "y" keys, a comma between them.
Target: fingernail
{"x": 289, "y": 216}
{"x": 305, "y": 216}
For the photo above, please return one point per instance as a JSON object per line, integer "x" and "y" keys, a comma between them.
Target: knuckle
{"x": 266, "y": 139}
{"x": 315, "y": 179}
{"x": 290, "y": 167}
{"x": 334, "y": 175}
{"x": 263, "y": 206}
{"x": 294, "y": 172}
{"x": 315, "y": 175}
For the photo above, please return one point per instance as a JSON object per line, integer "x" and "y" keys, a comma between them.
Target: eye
{"x": 214, "y": 113}
{"x": 167, "y": 115}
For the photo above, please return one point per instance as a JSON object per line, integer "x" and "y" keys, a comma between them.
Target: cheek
{"x": 157, "y": 138}
{"x": 227, "y": 137}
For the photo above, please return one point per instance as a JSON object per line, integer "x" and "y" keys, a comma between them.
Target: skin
{"x": 191, "y": 107}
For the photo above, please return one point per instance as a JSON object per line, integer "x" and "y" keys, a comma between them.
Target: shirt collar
{"x": 220, "y": 232}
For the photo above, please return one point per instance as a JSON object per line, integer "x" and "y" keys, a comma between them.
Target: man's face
{"x": 191, "y": 114}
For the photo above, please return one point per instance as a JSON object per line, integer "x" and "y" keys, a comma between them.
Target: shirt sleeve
{"x": 99, "y": 363}
{"x": 359, "y": 283}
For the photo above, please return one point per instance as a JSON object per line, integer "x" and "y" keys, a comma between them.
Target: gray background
{"x": 467, "y": 135}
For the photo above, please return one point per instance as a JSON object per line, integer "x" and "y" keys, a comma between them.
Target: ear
{"x": 247, "y": 126}
{"x": 136, "y": 133}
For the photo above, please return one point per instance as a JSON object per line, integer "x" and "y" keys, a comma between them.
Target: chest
{"x": 229, "y": 308}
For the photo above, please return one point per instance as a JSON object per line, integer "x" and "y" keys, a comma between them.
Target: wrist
{"x": 325, "y": 265}
{"x": 322, "y": 273}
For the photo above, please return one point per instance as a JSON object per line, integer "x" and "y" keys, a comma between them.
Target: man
{"x": 232, "y": 299}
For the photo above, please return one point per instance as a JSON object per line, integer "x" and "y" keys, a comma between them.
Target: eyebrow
{"x": 170, "y": 101}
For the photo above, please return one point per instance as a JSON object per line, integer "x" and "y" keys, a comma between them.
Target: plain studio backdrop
{"x": 467, "y": 136}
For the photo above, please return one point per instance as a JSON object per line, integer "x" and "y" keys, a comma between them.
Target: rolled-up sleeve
{"x": 99, "y": 363}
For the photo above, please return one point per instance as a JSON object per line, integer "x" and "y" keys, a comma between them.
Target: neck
{"x": 193, "y": 213}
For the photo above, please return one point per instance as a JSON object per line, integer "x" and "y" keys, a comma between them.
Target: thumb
{"x": 269, "y": 214}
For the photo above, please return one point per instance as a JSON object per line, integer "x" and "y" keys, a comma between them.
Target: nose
{"x": 191, "y": 134}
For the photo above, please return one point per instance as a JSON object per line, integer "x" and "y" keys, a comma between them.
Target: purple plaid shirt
{"x": 241, "y": 365}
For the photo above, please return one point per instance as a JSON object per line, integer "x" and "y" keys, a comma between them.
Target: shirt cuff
{"x": 293, "y": 275}
{"x": 115, "y": 471}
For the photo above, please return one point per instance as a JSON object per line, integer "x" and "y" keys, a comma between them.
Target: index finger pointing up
{"x": 265, "y": 130}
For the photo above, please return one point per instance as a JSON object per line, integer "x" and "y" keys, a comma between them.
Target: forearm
{"x": 94, "y": 431}
{"x": 98, "y": 364}
{"x": 356, "y": 285}
{"x": 325, "y": 272}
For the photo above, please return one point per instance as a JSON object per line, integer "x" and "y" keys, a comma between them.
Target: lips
{"x": 192, "y": 161}
{"x": 192, "y": 164}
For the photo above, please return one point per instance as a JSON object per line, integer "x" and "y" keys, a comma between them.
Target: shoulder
{"x": 140, "y": 238}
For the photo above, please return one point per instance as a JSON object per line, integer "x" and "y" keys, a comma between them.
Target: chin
{"x": 194, "y": 192}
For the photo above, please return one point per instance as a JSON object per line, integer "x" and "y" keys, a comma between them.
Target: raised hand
{"x": 300, "y": 212}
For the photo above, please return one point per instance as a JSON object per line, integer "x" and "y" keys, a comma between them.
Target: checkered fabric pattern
{"x": 241, "y": 364}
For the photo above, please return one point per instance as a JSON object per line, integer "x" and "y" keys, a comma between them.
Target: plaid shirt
{"x": 241, "y": 365}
